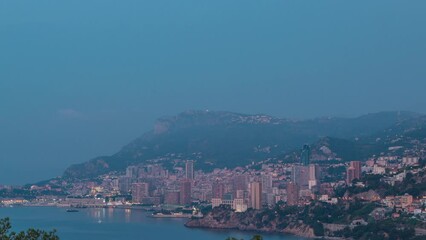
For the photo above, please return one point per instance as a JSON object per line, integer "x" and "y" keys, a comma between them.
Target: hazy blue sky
{"x": 80, "y": 79}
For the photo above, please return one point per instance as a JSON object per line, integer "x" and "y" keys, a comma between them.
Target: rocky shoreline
{"x": 223, "y": 219}
{"x": 298, "y": 230}
{"x": 301, "y": 230}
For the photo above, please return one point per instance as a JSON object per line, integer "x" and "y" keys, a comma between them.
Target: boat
{"x": 72, "y": 210}
{"x": 170, "y": 215}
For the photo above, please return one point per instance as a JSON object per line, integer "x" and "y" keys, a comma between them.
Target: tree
{"x": 318, "y": 229}
{"x": 30, "y": 234}
{"x": 257, "y": 237}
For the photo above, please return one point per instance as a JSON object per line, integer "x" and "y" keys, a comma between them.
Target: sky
{"x": 80, "y": 79}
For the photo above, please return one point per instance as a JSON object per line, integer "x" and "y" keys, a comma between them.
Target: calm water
{"x": 111, "y": 224}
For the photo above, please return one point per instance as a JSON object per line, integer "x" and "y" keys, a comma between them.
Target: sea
{"x": 111, "y": 224}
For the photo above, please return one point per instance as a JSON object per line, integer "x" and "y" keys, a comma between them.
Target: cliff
{"x": 252, "y": 220}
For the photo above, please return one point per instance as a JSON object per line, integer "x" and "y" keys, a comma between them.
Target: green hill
{"x": 224, "y": 139}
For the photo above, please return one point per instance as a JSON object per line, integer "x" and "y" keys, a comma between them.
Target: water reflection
{"x": 112, "y": 224}
{"x": 97, "y": 214}
{"x": 111, "y": 215}
{"x": 110, "y": 212}
{"x": 127, "y": 215}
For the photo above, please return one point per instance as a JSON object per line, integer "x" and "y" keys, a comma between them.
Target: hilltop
{"x": 217, "y": 139}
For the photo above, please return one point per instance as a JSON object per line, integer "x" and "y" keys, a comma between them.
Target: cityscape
{"x": 212, "y": 120}
{"x": 183, "y": 191}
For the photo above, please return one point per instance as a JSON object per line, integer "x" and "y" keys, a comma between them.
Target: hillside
{"x": 405, "y": 137}
{"x": 225, "y": 139}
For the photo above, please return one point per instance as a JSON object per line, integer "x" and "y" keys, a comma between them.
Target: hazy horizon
{"x": 81, "y": 79}
{"x": 16, "y": 181}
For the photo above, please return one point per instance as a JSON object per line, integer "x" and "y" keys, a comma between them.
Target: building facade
{"x": 256, "y": 195}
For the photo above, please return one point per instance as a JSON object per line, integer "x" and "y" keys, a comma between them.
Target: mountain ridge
{"x": 226, "y": 139}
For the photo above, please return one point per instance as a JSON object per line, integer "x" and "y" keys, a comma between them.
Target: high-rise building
{"x": 292, "y": 194}
{"x": 357, "y": 166}
{"x": 139, "y": 191}
{"x": 185, "y": 192}
{"x": 300, "y": 176}
{"x": 172, "y": 197}
{"x": 306, "y": 155}
{"x": 189, "y": 169}
{"x": 256, "y": 195}
{"x": 132, "y": 171}
{"x": 218, "y": 189}
{"x": 240, "y": 183}
{"x": 155, "y": 170}
{"x": 267, "y": 183}
{"x": 353, "y": 172}
{"x": 350, "y": 175}
{"x": 314, "y": 175}
{"x": 124, "y": 184}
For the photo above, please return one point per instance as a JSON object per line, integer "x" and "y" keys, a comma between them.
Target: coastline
{"x": 287, "y": 231}
{"x": 299, "y": 230}
{"x": 210, "y": 222}
{"x": 296, "y": 231}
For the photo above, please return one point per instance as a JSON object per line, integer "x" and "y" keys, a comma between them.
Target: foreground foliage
{"x": 255, "y": 237}
{"x": 30, "y": 234}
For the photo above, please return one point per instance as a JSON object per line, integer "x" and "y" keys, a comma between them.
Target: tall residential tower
{"x": 256, "y": 195}
{"x": 189, "y": 169}
{"x": 306, "y": 155}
